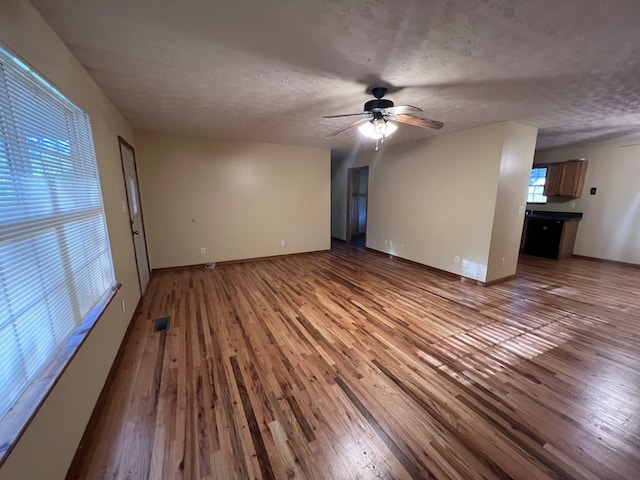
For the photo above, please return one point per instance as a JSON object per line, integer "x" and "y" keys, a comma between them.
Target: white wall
{"x": 236, "y": 199}
{"x": 610, "y": 227}
{"x": 49, "y": 443}
{"x": 515, "y": 169}
{"x": 433, "y": 200}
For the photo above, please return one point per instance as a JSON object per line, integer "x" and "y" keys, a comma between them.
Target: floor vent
{"x": 162, "y": 324}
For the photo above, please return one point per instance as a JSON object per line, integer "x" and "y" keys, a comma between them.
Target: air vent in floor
{"x": 161, "y": 324}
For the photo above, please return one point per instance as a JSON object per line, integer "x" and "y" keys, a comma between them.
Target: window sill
{"x": 16, "y": 421}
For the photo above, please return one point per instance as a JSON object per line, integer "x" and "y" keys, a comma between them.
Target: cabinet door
{"x": 553, "y": 179}
{"x": 572, "y": 179}
{"x": 568, "y": 239}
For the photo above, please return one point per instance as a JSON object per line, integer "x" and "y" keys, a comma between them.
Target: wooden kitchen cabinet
{"x": 572, "y": 181}
{"x": 565, "y": 179}
{"x": 553, "y": 179}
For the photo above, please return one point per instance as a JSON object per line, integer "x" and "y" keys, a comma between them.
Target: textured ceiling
{"x": 268, "y": 70}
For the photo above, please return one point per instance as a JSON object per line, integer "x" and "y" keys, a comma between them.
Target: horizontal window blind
{"x": 55, "y": 259}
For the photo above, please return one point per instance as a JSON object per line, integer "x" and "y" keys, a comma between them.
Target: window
{"x": 56, "y": 271}
{"x": 536, "y": 186}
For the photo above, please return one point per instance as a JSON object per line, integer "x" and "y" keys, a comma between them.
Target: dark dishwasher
{"x": 543, "y": 237}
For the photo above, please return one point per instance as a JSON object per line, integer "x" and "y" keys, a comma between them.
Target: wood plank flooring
{"x": 352, "y": 365}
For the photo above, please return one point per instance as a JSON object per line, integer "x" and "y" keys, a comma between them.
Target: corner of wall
{"x": 515, "y": 166}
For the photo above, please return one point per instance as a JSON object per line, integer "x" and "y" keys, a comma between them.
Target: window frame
{"x": 546, "y": 171}
{"x": 24, "y": 409}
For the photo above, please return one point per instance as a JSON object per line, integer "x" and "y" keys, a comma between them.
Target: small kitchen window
{"x": 535, "y": 194}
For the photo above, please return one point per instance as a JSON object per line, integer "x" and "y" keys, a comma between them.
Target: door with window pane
{"x": 135, "y": 212}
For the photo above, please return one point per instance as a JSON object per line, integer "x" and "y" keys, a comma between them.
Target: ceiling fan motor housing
{"x": 377, "y": 104}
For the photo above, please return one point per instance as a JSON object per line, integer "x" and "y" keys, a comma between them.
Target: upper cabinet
{"x": 553, "y": 180}
{"x": 565, "y": 179}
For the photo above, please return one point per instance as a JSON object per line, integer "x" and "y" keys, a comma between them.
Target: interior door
{"x": 128, "y": 157}
{"x": 354, "y": 203}
{"x": 362, "y": 200}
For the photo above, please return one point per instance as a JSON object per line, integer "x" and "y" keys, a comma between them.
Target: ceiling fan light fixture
{"x": 377, "y": 129}
{"x": 379, "y": 126}
{"x": 391, "y": 127}
{"x": 368, "y": 131}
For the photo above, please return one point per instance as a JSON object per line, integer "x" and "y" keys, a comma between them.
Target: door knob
{"x": 136, "y": 232}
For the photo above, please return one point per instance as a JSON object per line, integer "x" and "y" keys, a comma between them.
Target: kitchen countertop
{"x": 544, "y": 215}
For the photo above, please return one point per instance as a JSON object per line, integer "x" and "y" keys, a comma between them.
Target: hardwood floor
{"x": 348, "y": 364}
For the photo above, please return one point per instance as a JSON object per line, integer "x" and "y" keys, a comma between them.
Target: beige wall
{"x": 49, "y": 443}
{"x": 515, "y": 168}
{"x": 339, "y": 167}
{"x": 236, "y": 199}
{"x": 610, "y": 227}
{"x": 433, "y": 200}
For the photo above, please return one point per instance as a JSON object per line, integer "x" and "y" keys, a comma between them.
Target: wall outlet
{"x": 572, "y": 204}
{"x": 203, "y": 250}
{"x": 456, "y": 259}
{"x": 282, "y": 243}
{"x": 122, "y": 305}
{"x": 520, "y": 209}
{"x": 502, "y": 262}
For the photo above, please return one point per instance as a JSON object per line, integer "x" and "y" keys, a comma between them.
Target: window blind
{"x": 55, "y": 259}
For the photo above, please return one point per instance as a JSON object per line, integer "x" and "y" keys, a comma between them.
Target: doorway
{"x": 357, "y": 196}
{"x": 128, "y": 157}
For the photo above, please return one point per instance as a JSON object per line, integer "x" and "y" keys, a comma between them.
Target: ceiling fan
{"x": 378, "y": 114}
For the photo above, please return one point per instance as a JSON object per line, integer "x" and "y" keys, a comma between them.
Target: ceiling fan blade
{"x": 418, "y": 121}
{"x": 357, "y": 122}
{"x": 400, "y": 109}
{"x": 347, "y": 115}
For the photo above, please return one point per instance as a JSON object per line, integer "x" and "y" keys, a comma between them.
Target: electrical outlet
{"x": 502, "y": 262}
{"x": 456, "y": 259}
{"x": 520, "y": 209}
{"x": 122, "y": 305}
{"x": 572, "y": 204}
{"x": 203, "y": 250}
{"x": 282, "y": 243}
